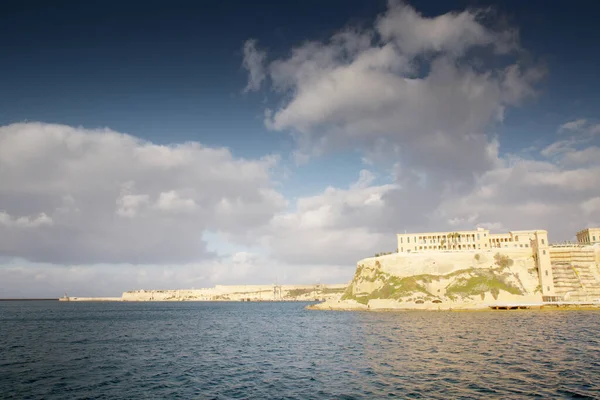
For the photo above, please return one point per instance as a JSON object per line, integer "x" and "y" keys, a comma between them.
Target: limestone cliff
{"x": 473, "y": 277}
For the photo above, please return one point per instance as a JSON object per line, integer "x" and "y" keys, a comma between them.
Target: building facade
{"x": 573, "y": 264}
{"x": 588, "y": 236}
{"x": 479, "y": 239}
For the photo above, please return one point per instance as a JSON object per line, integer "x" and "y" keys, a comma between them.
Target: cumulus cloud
{"x": 73, "y": 195}
{"x": 410, "y": 92}
{"x": 528, "y": 194}
{"x": 454, "y": 32}
{"x": 406, "y": 83}
{"x": 336, "y": 227}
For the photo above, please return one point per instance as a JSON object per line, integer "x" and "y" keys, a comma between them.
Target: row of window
{"x": 432, "y": 241}
{"x": 463, "y": 247}
{"x": 587, "y": 239}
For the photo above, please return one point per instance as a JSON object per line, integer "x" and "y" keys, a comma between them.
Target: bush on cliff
{"x": 503, "y": 260}
{"x": 479, "y": 283}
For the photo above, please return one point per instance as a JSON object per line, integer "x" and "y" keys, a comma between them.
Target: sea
{"x": 222, "y": 350}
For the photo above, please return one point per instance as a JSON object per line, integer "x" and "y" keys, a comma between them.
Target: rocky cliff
{"x": 442, "y": 280}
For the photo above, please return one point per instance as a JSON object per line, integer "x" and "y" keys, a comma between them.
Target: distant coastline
{"x": 31, "y": 299}
{"x": 250, "y": 293}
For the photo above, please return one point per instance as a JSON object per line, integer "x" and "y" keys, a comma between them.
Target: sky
{"x": 186, "y": 144}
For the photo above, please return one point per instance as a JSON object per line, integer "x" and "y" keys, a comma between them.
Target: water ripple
{"x": 220, "y": 351}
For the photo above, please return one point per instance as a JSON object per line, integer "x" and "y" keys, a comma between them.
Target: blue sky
{"x": 172, "y": 73}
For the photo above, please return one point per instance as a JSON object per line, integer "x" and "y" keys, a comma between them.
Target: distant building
{"x": 588, "y": 236}
{"x": 479, "y": 239}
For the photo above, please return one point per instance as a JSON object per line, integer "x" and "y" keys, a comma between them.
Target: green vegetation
{"x": 480, "y": 282}
{"x": 393, "y": 288}
{"x": 464, "y": 283}
{"x": 298, "y": 292}
{"x": 332, "y": 290}
{"x": 384, "y": 253}
{"x": 503, "y": 260}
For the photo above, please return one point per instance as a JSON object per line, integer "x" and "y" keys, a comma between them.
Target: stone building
{"x": 479, "y": 239}
{"x": 566, "y": 271}
{"x": 588, "y": 236}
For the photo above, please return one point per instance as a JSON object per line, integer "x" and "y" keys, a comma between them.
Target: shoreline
{"x": 345, "y": 305}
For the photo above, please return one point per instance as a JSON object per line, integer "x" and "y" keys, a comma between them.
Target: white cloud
{"x": 102, "y": 196}
{"x": 330, "y": 228}
{"x": 25, "y": 221}
{"x": 580, "y": 126}
{"x": 558, "y": 147}
{"x": 452, "y": 32}
{"x": 585, "y": 157}
{"x": 571, "y": 126}
{"x": 408, "y": 92}
{"x": 527, "y": 194}
{"x": 367, "y": 89}
{"x": 171, "y": 201}
{"x": 254, "y": 63}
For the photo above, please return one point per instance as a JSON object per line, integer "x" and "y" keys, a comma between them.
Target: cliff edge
{"x": 442, "y": 280}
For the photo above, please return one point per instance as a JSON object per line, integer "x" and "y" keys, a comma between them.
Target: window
{"x": 548, "y": 287}
{"x": 485, "y": 234}
{"x": 544, "y": 252}
{"x": 400, "y": 240}
{"x": 407, "y": 240}
{"x": 543, "y": 242}
{"x": 546, "y": 272}
{"x": 526, "y": 245}
{"x": 516, "y": 238}
{"x": 486, "y": 245}
{"x": 478, "y": 236}
{"x": 402, "y": 249}
{"x": 594, "y": 238}
{"x": 521, "y": 245}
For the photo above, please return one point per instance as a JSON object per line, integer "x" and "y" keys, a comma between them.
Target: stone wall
{"x": 576, "y": 271}
{"x": 241, "y": 293}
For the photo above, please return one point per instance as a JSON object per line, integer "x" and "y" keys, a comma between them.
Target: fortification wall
{"x": 240, "y": 293}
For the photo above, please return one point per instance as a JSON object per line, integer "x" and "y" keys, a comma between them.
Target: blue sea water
{"x": 52, "y": 350}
